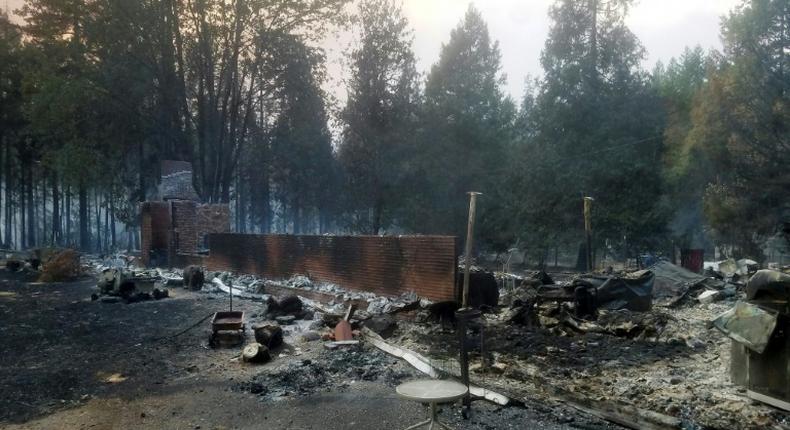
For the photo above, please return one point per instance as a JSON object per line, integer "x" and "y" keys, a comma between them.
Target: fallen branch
{"x": 170, "y": 280}
{"x": 236, "y": 292}
{"x": 625, "y": 415}
{"x": 320, "y": 307}
{"x": 425, "y": 366}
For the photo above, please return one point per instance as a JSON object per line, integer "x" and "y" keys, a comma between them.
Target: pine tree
{"x": 599, "y": 128}
{"x": 467, "y": 125}
{"x": 379, "y": 116}
{"x": 742, "y": 123}
{"x": 301, "y": 145}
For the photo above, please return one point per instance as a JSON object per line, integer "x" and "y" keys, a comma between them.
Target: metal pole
{"x": 463, "y": 315}
{"x": 588, "y": 231}
{"x": 470, "y": 228}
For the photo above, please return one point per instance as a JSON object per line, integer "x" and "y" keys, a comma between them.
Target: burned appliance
{"x": 758, "y": 328}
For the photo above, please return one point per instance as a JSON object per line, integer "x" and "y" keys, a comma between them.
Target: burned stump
{"x": 194, "y": 278}
{"x": 255, "y": 353}
{"x": 483, "y": 289}
{"x": 269, "y": 335}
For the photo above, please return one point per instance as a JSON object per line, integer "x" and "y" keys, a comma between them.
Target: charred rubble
{"x": 663, "y": 342}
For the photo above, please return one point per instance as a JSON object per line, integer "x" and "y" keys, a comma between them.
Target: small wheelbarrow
{"x": 227, "y": 321}
{"x": 227, "y": 329}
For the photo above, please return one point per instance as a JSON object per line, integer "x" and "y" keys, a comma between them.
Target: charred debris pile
{"x": 663, "y": 345}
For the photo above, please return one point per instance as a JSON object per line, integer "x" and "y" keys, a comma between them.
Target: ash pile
{"x": 329, "y": 371}
{"x": 634, "y": 344}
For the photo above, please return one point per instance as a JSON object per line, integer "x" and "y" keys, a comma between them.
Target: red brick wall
{"x": 184, "y": 260}
{"x": 386, "y": 265}
{"x": 185, "y": 226}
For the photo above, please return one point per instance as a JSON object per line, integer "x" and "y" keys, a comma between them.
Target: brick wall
{"x": 184, "y": 218}
{"x": 184, "y": 260}
{"x": 385, "y": 265}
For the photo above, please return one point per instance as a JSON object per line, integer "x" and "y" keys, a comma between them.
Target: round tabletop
{"x": 431, "y": 390}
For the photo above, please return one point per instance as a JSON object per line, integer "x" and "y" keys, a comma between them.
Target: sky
{"x": 665, "y": 28}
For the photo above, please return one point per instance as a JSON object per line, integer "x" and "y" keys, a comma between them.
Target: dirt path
{"x": 70, "y": 363}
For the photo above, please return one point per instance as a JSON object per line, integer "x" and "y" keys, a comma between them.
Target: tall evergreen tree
{"x": 599, "y": 128}
{"x": 11, "y": 115}
{"x": 742, "y": 122}
{"x": 467, "y": 124}
{"x": 686, "y": 168}
{"x": 379, "y": 116}
{"x": 301, "y": 145}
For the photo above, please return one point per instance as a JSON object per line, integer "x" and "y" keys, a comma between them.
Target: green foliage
{"x": 597, "y": 125}
{"x": 466, "y": 129}
{"x": 12, "y": 57}
{"x": 94, "y": 93}
{"x": 686, "y": 168}
{"x": 301, "y": 146}
{"x": 379, "y": 117}
{"x": 742, "y": 123}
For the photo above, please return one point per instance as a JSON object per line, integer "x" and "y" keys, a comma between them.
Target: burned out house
{"x": 178, "y": 230}
{"x": 175, "y": 227}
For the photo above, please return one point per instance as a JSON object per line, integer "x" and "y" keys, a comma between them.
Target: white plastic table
{"x": 432, "y": 391}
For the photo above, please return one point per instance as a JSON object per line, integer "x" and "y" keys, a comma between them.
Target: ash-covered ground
{"x": 70, "y": 362}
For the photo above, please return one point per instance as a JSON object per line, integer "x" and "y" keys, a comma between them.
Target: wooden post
{"x": 588, "y": 231}
{"x": 470, "y": 228}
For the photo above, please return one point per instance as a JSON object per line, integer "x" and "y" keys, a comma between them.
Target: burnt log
{"x": 255, "y": 353}
{"x": 194, "y": 278}
{"x": 269, "y": 335}
{"x": 383, "y": 325}
{"x": 483, "y": 289}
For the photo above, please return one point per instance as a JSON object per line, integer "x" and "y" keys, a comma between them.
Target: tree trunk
{"x": 31, "y": 209}
{"x": 9, "y": 186}
{"x": 3, "y": 185}
{"x": 242, "y": 194}
{"x": 22, "y": 197}
{"x": 55, "y": 211}
{"x": 112, "y": 223}
{"x": 238, "y": 205}
{"x": 69, "y": 236}
{"x": 85, "y": 239}
{"x": 378, "y": 208}
{"x": 297, "y": 217}
{"x": 266, "y": 205}
{"x": 106, "y": 226}
{"x": 98, "y": 222}
{"x": 43, "y": 232}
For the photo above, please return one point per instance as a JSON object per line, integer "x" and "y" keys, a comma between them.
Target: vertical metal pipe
{"x": 588, "y": 231}
{"x": 464, "y": 314}
{"x": 470, "y": 229}
{"x": 460, "y": 322}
